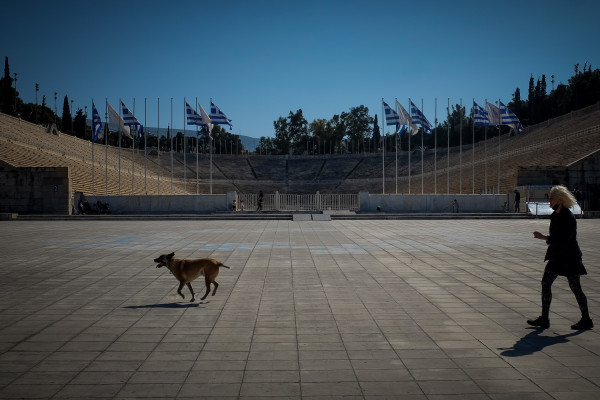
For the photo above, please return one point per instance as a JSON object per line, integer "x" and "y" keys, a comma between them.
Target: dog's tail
{"x": 223, "y": 265}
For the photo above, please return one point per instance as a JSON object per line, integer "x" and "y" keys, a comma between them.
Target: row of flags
{"x": 128, "y": 121}
{"x": 491, "y": 115}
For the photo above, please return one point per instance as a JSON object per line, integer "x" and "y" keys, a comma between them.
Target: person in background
{"x": 260, "y": 201}
{"x": 517, "y": 201}
{"x": 564, "y": 258}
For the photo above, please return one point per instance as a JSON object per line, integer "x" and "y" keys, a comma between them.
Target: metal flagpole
{"x": 158, "y": 145}
{"x": 106, "y": 130}
{"x": 197, "y": 142}
{"x": 93, "y": 169}
{"x": 499, "y": 123}
{"x": 171, "y": 146}
{"x": 133, "y": 137}
{"x": 448, "y": 149}
{"x": 396, "y": 135}
{"x": 460, "y": 150}
{"x": 184, "y": 169}
{"x": 383, "y": 125}
{"x": 485, "y": 154}
{"x": 473, "y": 149}
{"x": 211, "y": 154}
{"x": 145, "y": 147}
{"x": 422, "y": 150}
{"x": 409, "y": 149}
{"x": 120, "y": 113}
{"x": 435, "y": 148}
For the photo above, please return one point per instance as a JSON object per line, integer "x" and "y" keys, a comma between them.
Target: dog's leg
{"x": 215, "y": 289}
{"x": 179, "y": 290}
{"x": 207, "y": 288}
{"x": 189, "y": 285}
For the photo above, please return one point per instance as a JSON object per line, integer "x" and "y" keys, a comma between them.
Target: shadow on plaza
{"x": 166, "y": 305}
{"x": 534, "y": 342}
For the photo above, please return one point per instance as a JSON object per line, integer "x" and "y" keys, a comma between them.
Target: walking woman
{"x": 563, "y": 256}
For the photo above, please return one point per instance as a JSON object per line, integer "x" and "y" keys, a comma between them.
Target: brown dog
{"x": 187, "y": 270}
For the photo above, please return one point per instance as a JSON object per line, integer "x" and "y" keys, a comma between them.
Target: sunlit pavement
{"x": 309, "y": 309}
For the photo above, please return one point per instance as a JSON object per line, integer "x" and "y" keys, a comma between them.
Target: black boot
{"x": 542, "y": 322}
{"x": 583, "y": 324}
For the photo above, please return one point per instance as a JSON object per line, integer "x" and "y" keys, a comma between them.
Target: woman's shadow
{"x": 533, "y": 342}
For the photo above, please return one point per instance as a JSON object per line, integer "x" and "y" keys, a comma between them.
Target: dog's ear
{"x": 170, "y": 255}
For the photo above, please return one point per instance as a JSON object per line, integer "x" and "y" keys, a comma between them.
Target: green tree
{"x": 7, "y": 92}
{"x": 283, "y": 140}
{"x": 67, "y": 119}
{"x": 376, "y": 133}
{"x": 79, "y": 124}
{"x": 358, "y": 123}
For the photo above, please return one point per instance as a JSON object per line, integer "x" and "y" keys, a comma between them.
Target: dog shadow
{"x": 166, "y": 306}
{"x": 534, "y": 342}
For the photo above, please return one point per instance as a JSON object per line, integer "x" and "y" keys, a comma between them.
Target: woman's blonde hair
{"x": 563, "y": 195}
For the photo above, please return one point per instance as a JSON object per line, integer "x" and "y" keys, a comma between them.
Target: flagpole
{"x": 133, "y": 153}
{"x": 120, "y": 113}
{"x": 460, "y": 150}
{"x": 106, "y": 130}
{"x": 435, "y": 148}
{"x": 383, "y": 125}
{"x": 422, "y": 150}
{"x": 171, "y": 146}
{"x": 485, "y": 160}
{"x": 184, "y": 168}
{"x": 448, "y": 150}
{"x": 197, "y": 142}
{"x": 473, "y": 149}
{"x": 211, "y": 154}
{"x": 158, "y": 145}
{"x": 409, "y": 149}
{"x": 145, "y": 151}
{"x": 499, "y": 123}
{"x": 93, "y": 177}
{"x": 396, "y": 135}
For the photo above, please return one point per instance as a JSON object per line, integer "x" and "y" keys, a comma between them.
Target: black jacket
{"x": 563, "y": 253}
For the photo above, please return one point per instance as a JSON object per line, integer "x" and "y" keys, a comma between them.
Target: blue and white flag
{"x": 493, "y": 113}
{"x": 419, "y": 118}
{"x": 218, "y": 117}
{"x": 96, "y": 125}
{"x": 115, "y": 119}
{"x": 192, "y": 117}
{"x": 405, "y": 120}
{"x": 130, "y": 120}
{"x": 391, "y": 116}
{"x": 206, "y": 121}
{"x": 509, "y": 118}
{"x": 480, "y": 116}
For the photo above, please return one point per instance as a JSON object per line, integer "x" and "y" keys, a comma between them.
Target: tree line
{"x": 352, "y": 131}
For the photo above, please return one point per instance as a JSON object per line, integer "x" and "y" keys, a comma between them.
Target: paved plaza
{"x": 353, "y": 309}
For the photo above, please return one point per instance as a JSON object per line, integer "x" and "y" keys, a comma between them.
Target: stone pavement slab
{"x": 353, "y": 309}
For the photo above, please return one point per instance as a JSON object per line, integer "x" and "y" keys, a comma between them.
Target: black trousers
{"x": 575, "y": 285}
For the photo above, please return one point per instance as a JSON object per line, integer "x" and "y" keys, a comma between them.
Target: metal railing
{"x": 299, "y": 202}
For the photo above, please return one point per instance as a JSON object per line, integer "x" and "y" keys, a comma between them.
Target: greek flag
{"x": 419, "y": 118}
{"x": 509, "y": 118}
{"x": 193, "y": 118}
{"x": 406, "y": 120}
{"x": 96, "y": 125}
{"x": 206, "y": 121}
{"x": 218, "y": 117}
{"x": 493, "y": 113}
{"x": 115, "y": 118}
{"x": 130, "y": 120}
{"x": 480, "y": 115}
{"x": 391, "y": 116}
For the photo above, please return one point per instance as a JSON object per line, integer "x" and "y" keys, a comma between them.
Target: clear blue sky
{"x": 259, "y": 60}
